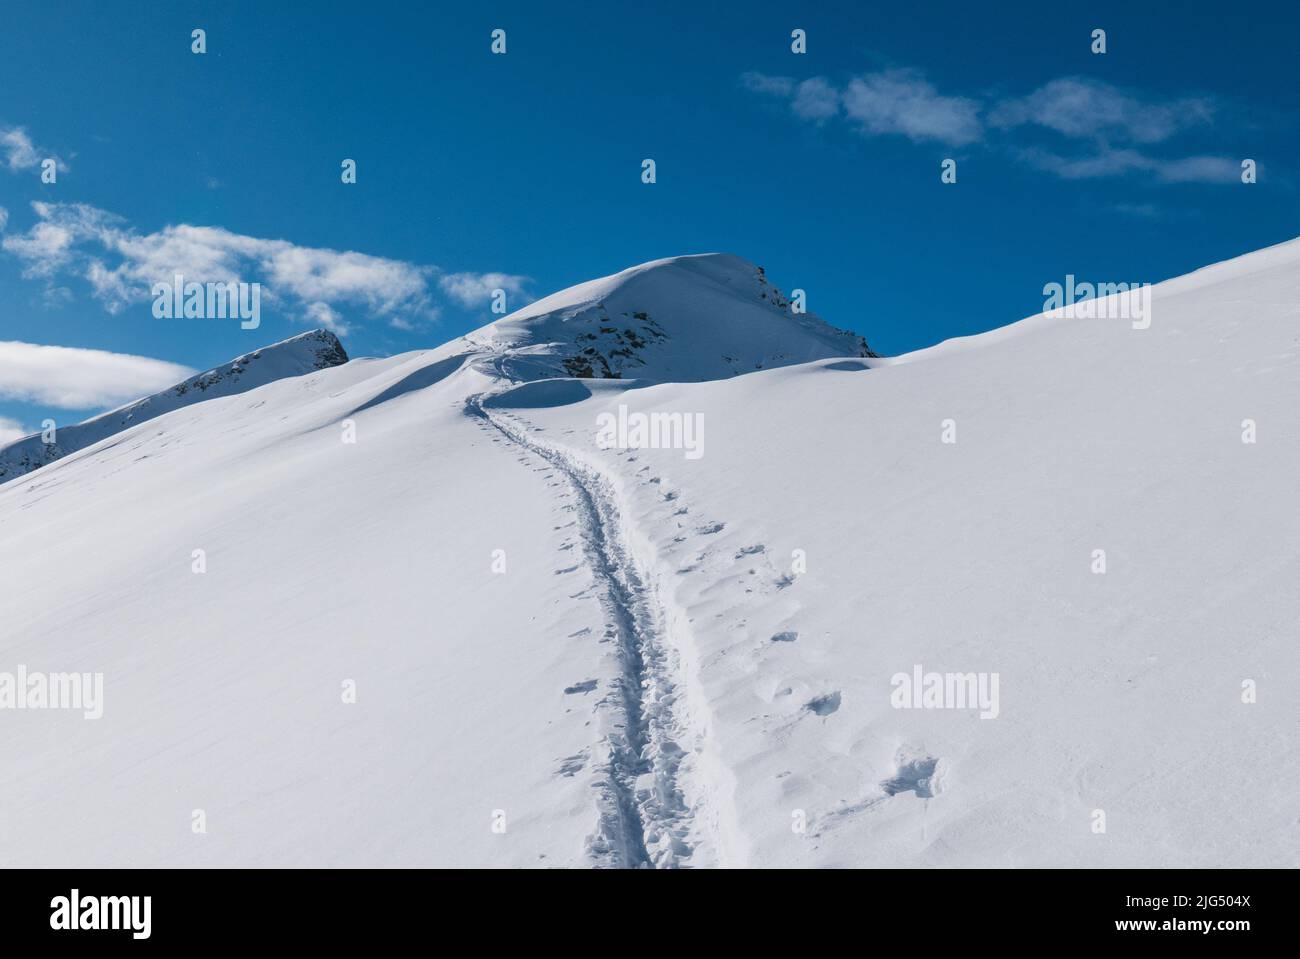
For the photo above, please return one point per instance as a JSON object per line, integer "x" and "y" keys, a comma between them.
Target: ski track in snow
{"x": 644, "y": 819}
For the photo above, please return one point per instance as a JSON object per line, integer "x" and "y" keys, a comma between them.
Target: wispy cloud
{"x": 1203, "y": 169}
{"x": 76, "y": 379}
{"x": 48, "y": 246}
{"x": 326, "y": 317}
{"x": 319, "y": 285}
{"x": 18, "y": 152}
{"x": 475, "y": 289}
{"x": 1111, "y": 162}
{"x": 11, "y": 430}
{"x": 904, "y": 102}
{"x": 1085, "y": 108}
{"x": 899, "y": 102}
{"x": 816, "y": 99}
{"x": 762, "y": 83}
{"x": 1100, "y": 130}
{"x": 4, "y": 219}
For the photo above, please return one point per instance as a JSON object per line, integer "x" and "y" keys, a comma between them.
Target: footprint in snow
{"x": 711, "y": 529}
{"x": 823, "y": 705}
{"x": 586, "y": 686}
{"x": 786, "y": 637}
{"x": 916, "y": 776}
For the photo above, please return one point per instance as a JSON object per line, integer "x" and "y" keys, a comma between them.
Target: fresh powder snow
{"x": 421, "y": 610}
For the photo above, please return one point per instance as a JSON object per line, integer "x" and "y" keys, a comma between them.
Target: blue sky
{"x": 522, "y": 171}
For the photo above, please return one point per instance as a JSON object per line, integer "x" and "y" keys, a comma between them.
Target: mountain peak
{"x": 322, "y": 347}
{"x": 683, "y": 318}
{"x": 304, "y": 353}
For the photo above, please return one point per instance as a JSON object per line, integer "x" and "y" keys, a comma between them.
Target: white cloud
{"x": 474, "y": 290}
{"x": 1109, "y": 162}
{"x": 891, "y": 102}
{"x": 904, "y": 102}
{"x": 1200, "y": 169}
{"x": 1103, "y": 163}
{"x": 11, "y": 430}
{"x": 1080, "y": 107}
{"x": 20, "y": 153}
{"x": 76, "y": 379}
{"x": 1119, "y": 125}
{"x": 4, "y": 219}
{"x": 816, "y": 99}
{"x": 48, "y": 246}
{"x": 121, "y": 266}
{"x": 326, "y": 317}
{"x": 384, "y": 285}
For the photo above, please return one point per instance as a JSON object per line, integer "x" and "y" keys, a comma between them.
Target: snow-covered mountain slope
{"x": 570, "y": 654}
{"x": 681, "y": 319}
{"x": 316, "y": 350}
{"x": 327, "y": 566}
{"x": 828, "y": 539}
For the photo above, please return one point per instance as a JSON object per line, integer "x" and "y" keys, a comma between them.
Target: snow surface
{"x": 650, "y": 681}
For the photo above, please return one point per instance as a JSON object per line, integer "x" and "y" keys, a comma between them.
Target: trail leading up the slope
{"x": 645, "y": 821}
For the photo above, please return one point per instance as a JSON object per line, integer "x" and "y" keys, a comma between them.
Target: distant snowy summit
{"x": 682, "y": 319}
{"x": 316, "y": 350}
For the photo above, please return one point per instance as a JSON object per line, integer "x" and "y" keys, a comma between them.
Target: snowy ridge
{"x": 315, "y": 350}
